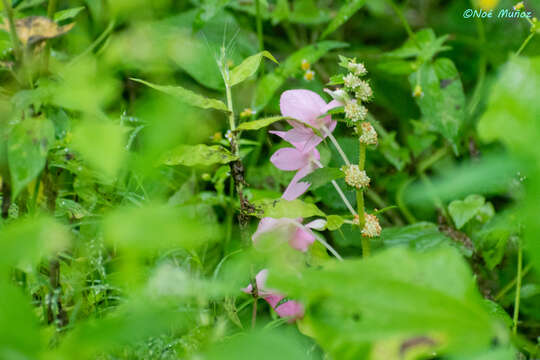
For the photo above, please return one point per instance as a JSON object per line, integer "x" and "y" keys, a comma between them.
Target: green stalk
{"x": 51, "y": 9}
{"x": 8, "y": 10}
{"x": 366, "y": 246}
{"x": 518, "y": 288}
{"x": 524, "y": 44}
{"x": 259, "y": 31}
{"x": 511, "y": 284}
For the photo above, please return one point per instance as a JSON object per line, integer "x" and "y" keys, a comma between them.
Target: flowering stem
{"x": 336, "y": 144}
{"x": 338, "y": 189}
{"x": 518, "y": 288}
{"x": 524, "y": 43}
{"x": 12, "y": 29}
{"x": 366, "y": 246}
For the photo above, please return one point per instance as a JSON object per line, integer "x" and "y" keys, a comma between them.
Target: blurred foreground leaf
{"x": 198, "y": 155}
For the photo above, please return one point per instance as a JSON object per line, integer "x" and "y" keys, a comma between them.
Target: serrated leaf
{"x": 259, "y": 124}
{"x": 187, "y": 96}
{"x": 322, "y": 176}
{"x": 443, "y": 102}
{"x": 198, "y": 155}
{"x": 248, "y": 67}
{"x": 28, "y": 145}
{"x": 344, "y": 14}
{"x": 282, "y": 208}
{"x": 334, "y": 222}
{"x": 67, "y": 13}
{"x": 464, "y": 210}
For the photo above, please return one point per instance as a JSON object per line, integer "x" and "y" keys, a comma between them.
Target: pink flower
{"x": 285, "y": 228}
{"x": 294, "y": 159}
{"x": 283, "y": 307}
{"x": 306, "y": 107}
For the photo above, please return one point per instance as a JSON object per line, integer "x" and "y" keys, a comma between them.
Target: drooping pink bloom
{"x": 306, "y": 107}
{"x": 285, "y": 308}
{"x": 286, "y": 229}
{"x": 294, "y": 159}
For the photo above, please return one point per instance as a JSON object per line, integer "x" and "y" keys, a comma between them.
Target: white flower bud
{"x": 371, "y": 226}
{"x": 354, "y": 111}
{"x": 369, "y": 135}
{"x": 351, "y": 81}
{"x": 363, "y": 91}
{"x": 357, "y": 69}
{"x": 355, "y": 177}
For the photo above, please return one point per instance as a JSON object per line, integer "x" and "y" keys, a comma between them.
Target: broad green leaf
{"x": 425, "y": 46}
{"x": 67, "y": 13}
{"x": 282, "y": 208}
{"x": 396, "y": 155}
{"x": 248, "y": 67}
{"x": 259, "y": 124}
{"x": 198, "y": 155}
{"x": 102, "y": 145}
{"x": 443, "y": 101}
{"x": 266, "y": 88}
{"x": 26, "y": 241}
{"x": 344, "y": 14}
{"x": 307, "y": 12}
{"x": 281, "y": 11}
{"x": 334, "y": 222}
{"x": 419, "y": 236}
{"x": 19, "y": 327}
{"x": 464, "y": 210}
{"x": 187, "y": 96}
{"x": 28, "y": 145}
{"x": 397, "y": 295}
{"x": 322, "y": 176}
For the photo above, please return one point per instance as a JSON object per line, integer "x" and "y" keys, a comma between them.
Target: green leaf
{"x": 334, "y": 222}
{"x": 443, "y": 101}
{"x": 259, "y": 124}
{"x": 248, "y": 67}
{"x": 311, "y": 53}
{"x": 419, "y": 236}
{"x": 198, "y": 155}
{"x": 28, "y": 145}
{"x": 187, "y": 96}
{"x": 464, "y": 210}
{"x": 322, "y": 176}
{"x": 345, "y": 13}
{"x": 425, "y": 46}
{"x": 282, "y": 208}
{"x": 266, "y": 88}
{"x": 406, "y": 295}
{"x": 68, "y": 13}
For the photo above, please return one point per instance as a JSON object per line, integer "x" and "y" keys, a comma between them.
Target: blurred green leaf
{"x": 345, "y": 12}
{"x": 322, "y": 176}
{"x": 68, "y": 13}
{"x": 334, "y": 222}
{"x": 420, "y": 236}
{"x": 28, "y": 145}
{"x": 464, "y": 210}
{"x": 281, "y": 208}
{"x": 198, "y": 155}
{"x": 248, "y": 67}
{"x": 187, "y": 96}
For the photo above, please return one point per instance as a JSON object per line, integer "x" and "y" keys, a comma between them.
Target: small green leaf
{"x": 259, "y": 124}
{"x": 282, "y": 208}
{"x": 311, "y": 54}
{"x": 464, "y": 210}
{"x": 334, "y": 222}
{"x": 322, "y": 176}
{"x": 419, "y": 236}
{"x": 344, "y": 14}
{"x": 68, "y": 13}
{"x": 28, "y": 145}
{"x": 248, "y": 67}
{"x": 187, "y": 96}
{"x": 198, "y": 155}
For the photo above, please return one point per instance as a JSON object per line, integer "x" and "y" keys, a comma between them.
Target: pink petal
{"x": 265, "y": 225}
{"x": 296, "y": 188}
{"x": 302, "y": 105}
{"x": 273, "y": 299}
{"x": 289, "y": 159}
{"x": 290, "y": 309}
{"x": 317, "y": 224}
{"x": 301, "y": 240}
{"x": 301, "y": 137}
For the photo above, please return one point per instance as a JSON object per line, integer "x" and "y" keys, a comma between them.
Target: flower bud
{"x": 355, "y": 177}
{"x": 369, "y": 135}
{"x": 418, "y": 93}
{"x": 363, "y": 91}
{"x": 338, "y": 95}
{"x": 371, "y": 226}
{"x": 354, "y": 111}
{"x": 351, "y": 81}
{"x": 305, "y": 65}
{"x": 309, "y": 75}
{"x": 357, "y": 69}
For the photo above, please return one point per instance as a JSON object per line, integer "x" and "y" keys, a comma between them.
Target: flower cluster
{"x": 355, "y": 177}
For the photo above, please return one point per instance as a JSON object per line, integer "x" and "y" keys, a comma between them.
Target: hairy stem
{"x": 339, "y": 191}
